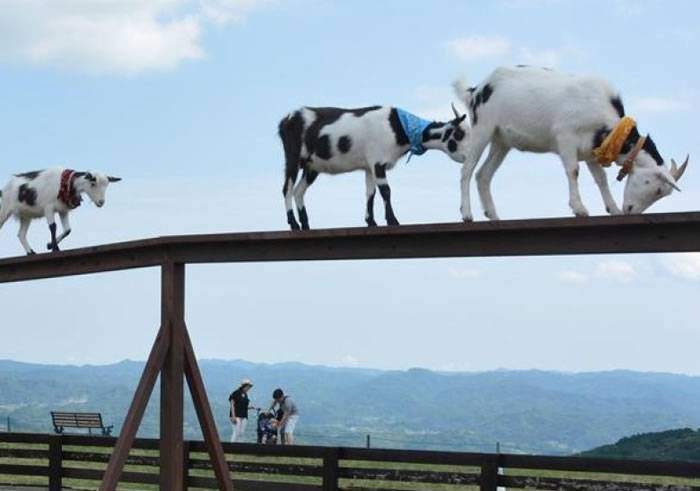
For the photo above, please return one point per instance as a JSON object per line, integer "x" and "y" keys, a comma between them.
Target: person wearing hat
{"x": 238, "y": 414}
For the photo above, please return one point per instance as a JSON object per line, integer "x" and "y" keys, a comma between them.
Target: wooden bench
{"x": 89, "y": 421}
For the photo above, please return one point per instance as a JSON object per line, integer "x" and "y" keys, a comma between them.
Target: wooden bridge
{"x": 172, "y": 355}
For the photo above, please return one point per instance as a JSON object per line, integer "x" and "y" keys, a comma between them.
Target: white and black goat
{"x": 334, "y": 140}
{"x": 540, "y": 110}
{"x": 47, "y": 192}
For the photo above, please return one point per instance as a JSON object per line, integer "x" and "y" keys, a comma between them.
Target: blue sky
{"x": 181, "y": 98}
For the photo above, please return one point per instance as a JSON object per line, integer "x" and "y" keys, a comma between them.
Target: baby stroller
{"x": 267, "y": 428}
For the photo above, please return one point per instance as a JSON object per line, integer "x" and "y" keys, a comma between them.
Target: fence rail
{"x": 50, "y": 460}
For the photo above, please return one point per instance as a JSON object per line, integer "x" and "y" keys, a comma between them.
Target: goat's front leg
{"x": 65, "y": 225}
{"x": 371, "y": 187}
{"x": 473, "y": 155}
{"x": 484, "y": 176}
{"x": 385, "y": 191}
{"x": 50, "y": 215}
{"x": 22, "y": 235}
{"x": 601, "y": 179}
{"x": 569, "y": 158}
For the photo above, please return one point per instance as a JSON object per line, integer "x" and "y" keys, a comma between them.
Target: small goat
{"x": 333, "y": 141}
{"x": 539, "y": 110}
{"x": 47, "y": 192}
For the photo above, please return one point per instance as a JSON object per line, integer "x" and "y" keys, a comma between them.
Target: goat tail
{"x": 463, "y": 91}
{"x": 4, "y": 213}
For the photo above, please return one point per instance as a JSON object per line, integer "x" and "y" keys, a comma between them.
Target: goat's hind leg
{"x": 307, "y": 179}
{"x": 4, "y": 216}
{"x": 22, "y": 235}
{"x": 371, "y": 190}
{"x": 288, "y": 192}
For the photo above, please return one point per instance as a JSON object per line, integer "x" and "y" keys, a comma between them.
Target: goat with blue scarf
{"x": 334, "y": 140}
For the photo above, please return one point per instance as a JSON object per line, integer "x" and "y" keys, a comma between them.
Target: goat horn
{"x": 454, "y": 110}
{"x": 669, "y": 180}
{"x": 676, "y": 171}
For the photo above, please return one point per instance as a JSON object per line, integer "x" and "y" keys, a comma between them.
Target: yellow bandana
{"x": 610, "y": 149}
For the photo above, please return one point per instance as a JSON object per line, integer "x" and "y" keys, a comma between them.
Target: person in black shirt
{"x": 238, "y": 414}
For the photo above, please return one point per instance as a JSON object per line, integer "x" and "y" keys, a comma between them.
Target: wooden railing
{"x": 173, "y": 358}
{"x": 59, "y": 461}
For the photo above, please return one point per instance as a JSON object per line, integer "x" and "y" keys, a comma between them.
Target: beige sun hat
{"x": 246, "y": 381}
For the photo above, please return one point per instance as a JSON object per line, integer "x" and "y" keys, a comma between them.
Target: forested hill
{"x": 683, "y": 445}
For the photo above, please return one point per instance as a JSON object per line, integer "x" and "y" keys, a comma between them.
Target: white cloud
{"x": 615, "y": 270}
{"x": 686, "y": 266}
{"x": 114, "y": 36}
{"x": 350, "y": 360}
{"x": 477, "y": 47}
{"x": 225, "y": 11}
{"x": 472, "y": 48}
{"x": 573, "y": 277}
{"x": 655, "y": 104}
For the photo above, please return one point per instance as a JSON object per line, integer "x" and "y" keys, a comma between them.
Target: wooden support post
{"x": 55, "y": 463}
{"x": 330, "y": 469}
{"x": 206, "y": 419}
{"x": 136, "y": 410}
{"x": 172, "y": 378}
{"x": 173, "y": 356}
{"x": 488, "y": 481}
{"x": 186, "y": 462}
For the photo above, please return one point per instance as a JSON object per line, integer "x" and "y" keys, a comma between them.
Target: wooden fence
{"x": 173, "y": 357}
{"x": 60, "y": 461}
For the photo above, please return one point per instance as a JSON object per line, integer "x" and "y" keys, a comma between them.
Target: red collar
{"x": 66, "y": 191}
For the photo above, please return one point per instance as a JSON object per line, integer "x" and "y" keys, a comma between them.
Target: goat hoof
{"x": 305, "y": 226}
{"x": 31, "y": 253}
{"x": 468, "y": 219}
{"x": 371, "y": 222}
{"x": 294, "y": 225}
{"x": 393, "y": 223}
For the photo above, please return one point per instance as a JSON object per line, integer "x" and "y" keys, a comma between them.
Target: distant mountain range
{"x": 526, "y": 411}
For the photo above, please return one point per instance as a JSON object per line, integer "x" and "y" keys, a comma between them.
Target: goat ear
{"x": 113, "y": 179}
{"x": 89, "y": 177}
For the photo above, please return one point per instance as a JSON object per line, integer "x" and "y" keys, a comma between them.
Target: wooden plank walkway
{"x": 660, "y": 232}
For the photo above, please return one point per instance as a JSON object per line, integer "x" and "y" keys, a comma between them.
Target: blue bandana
{"x": 414, "y": 127}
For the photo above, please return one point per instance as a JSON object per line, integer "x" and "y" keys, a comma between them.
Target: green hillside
{"x": 675, "y": 445}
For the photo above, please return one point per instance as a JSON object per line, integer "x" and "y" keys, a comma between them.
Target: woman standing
{"x": 238, "y": 414}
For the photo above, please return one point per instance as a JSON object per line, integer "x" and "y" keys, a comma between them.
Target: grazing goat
{"x": 539, "y": 110}
{"x": 47, "y": 192}
{"x": 333, "y": 141}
